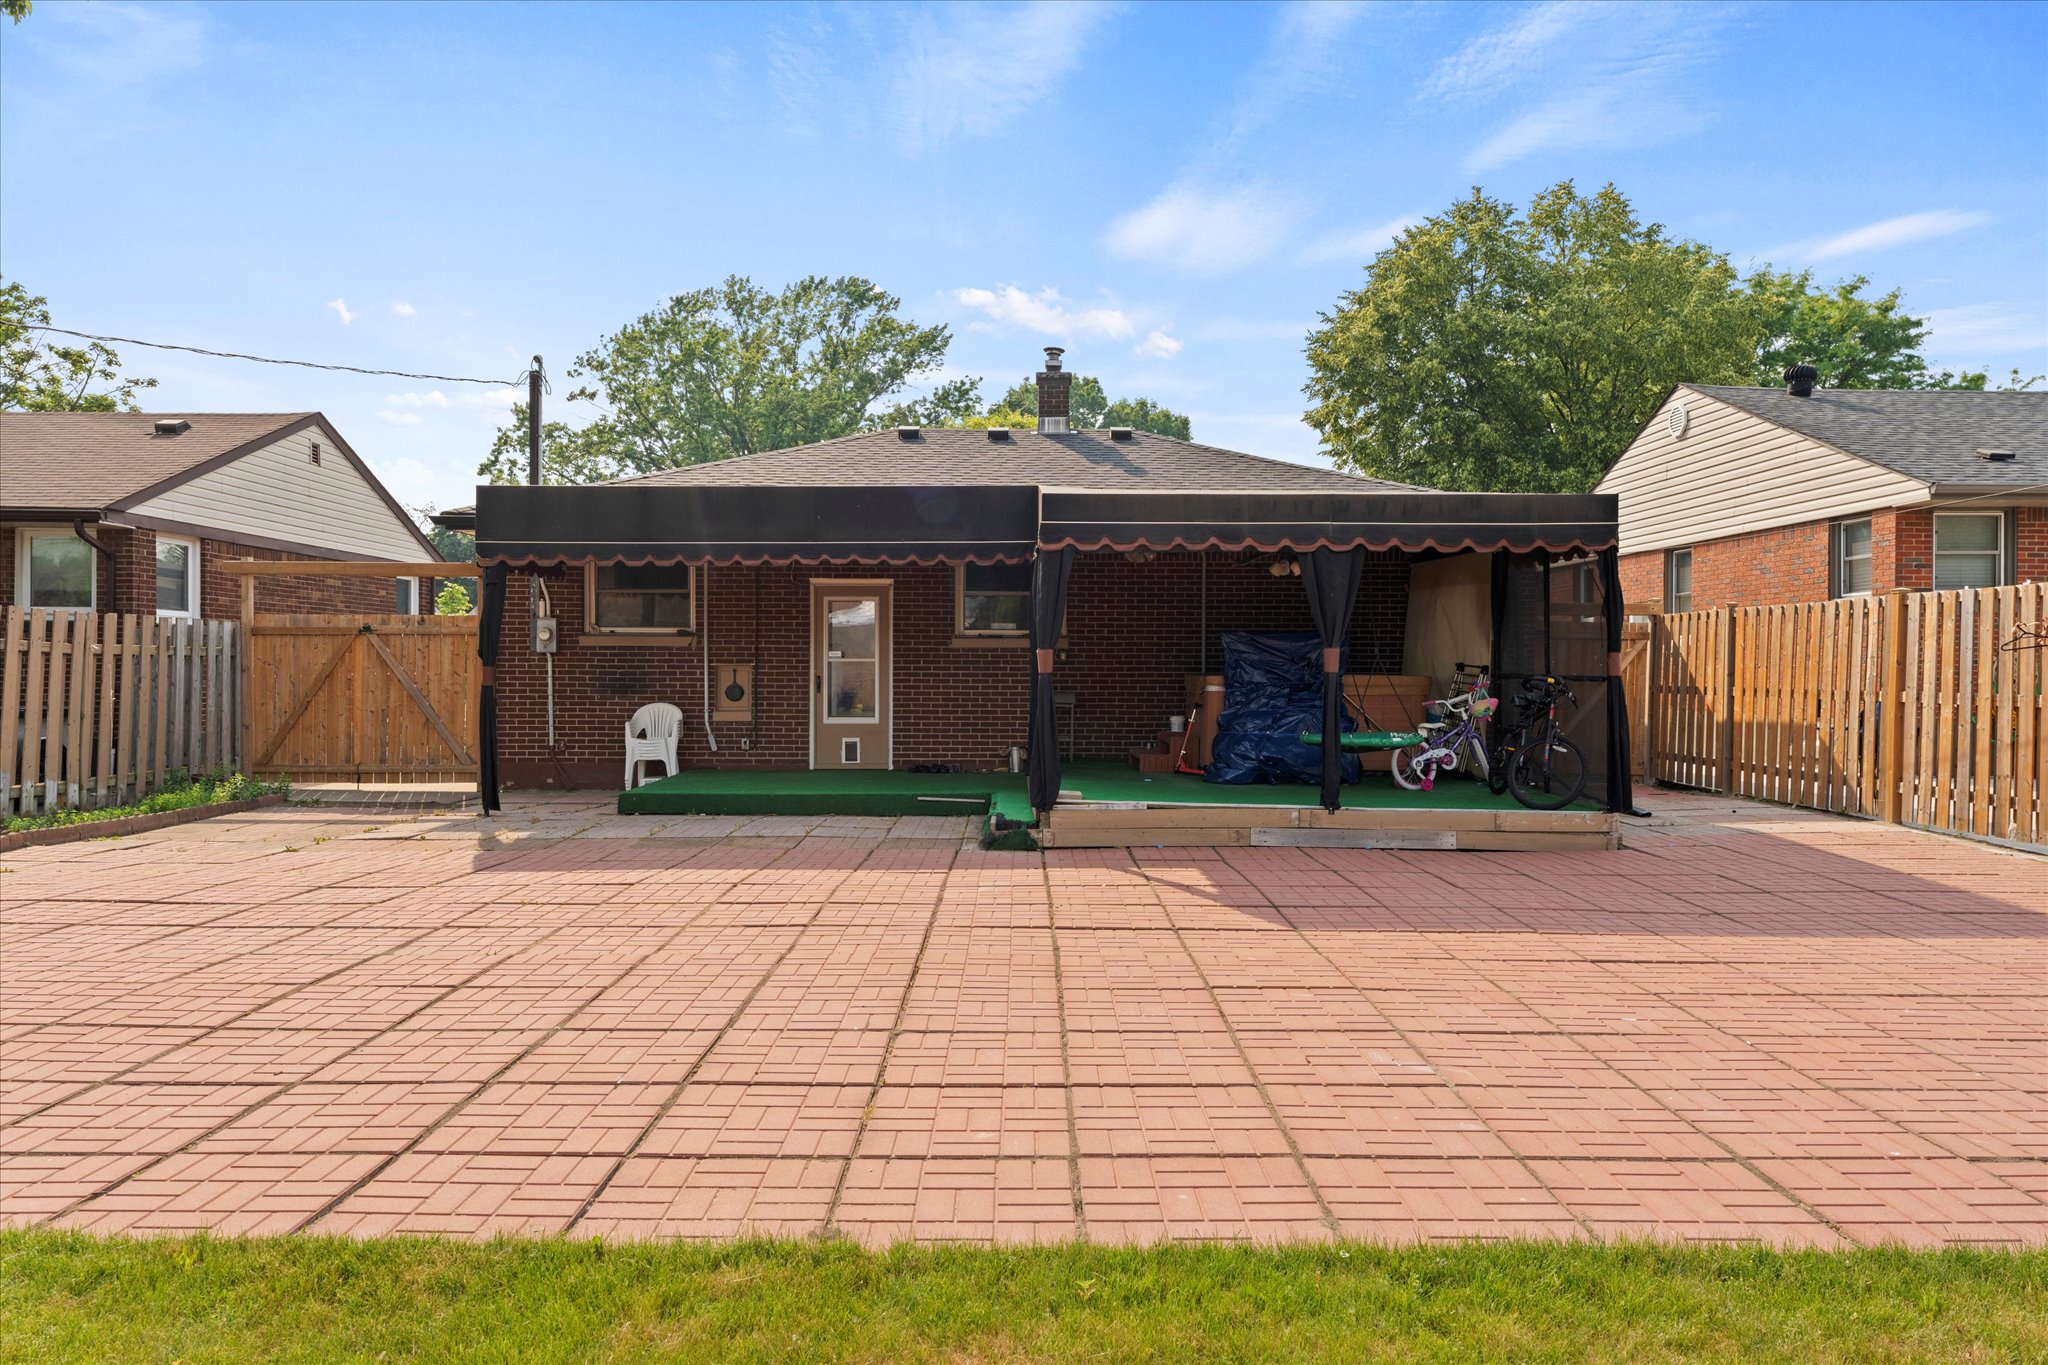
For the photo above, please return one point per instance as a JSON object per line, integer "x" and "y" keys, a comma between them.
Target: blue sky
{"x": 1173, "y": 192}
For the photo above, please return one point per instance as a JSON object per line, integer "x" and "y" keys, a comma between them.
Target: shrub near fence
{"x": 1921, "y": 708}
{"x": 100, "y": 710}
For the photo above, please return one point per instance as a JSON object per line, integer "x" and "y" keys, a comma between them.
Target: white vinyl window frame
{"x": 1842, "y": 564}
{"x": 190, "y": 611}
{"x": 590, "y": 626}
{"x": 960, "y": 626}
{"x": 407, "y": 592}
{"x": 1997, "y": 553}
{"x": 1675, "y": 601}
{"x": 24, "y": 537}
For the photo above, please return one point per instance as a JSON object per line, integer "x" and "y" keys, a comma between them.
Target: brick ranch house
{"x": 134, "y": 513}
{"x": 1754, "y": 496}
{"x": 914, "y": 597}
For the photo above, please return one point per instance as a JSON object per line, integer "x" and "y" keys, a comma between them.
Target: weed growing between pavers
{"x": 72, "y": 1297}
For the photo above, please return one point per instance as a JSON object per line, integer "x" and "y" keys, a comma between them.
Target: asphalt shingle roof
{"x": 86, "y": 460}
{"x": 1933, "y": 435}
{"x": 950, "y": 455}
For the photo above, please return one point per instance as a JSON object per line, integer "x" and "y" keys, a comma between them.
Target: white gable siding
{"x": 278, "y": 493}
{"x": 1732, "y": 473}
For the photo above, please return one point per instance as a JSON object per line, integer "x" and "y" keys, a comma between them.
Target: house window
{"x": 1677, "y": 580}
{"x": 53, "y": 568}
{"x": 646, "y": 599}
{"x": 994, "y": 599}
{"x": 1852, "y": 557}
{"x": 177, "y": 576}
{"x": 408, "y": 597}
{"x": 1969, "y": 550}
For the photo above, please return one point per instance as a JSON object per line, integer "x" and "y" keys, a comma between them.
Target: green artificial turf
{"x": 70, "y": 1297}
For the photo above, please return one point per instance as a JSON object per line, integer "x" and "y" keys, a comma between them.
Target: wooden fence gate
{"x": 1919, "y": 708}
{"x": 358, "y": 698}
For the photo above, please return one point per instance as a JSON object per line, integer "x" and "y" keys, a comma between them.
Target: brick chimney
{"x": 1054, "y": 385}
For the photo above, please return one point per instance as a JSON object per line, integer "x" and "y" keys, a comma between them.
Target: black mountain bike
{"x": 1534, "y": 760}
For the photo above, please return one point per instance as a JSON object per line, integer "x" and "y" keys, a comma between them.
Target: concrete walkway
{"x": 1750, "y": 1024}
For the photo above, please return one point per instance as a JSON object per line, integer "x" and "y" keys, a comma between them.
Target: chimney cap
{"x": 171, "y": 426}
{"x": 1800, "y": 379}
{"x": 1052, "y": 357}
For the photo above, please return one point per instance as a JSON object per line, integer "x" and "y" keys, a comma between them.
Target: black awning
{"x": 656, "y": 524}
{"x": 1335, "y": 521}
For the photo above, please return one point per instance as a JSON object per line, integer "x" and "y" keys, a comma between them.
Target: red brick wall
{"x": 127, "y": 580}
{"x": 2030, "y": 544}
{"x": 1132, "y": 632}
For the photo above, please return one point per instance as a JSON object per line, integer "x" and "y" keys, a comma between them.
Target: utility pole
{"x": 533, "y": 377}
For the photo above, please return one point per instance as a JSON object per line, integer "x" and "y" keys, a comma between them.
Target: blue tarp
{"x": 1272, "y": 692}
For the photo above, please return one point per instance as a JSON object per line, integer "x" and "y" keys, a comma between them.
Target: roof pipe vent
{"x": 1123, "y": 434}
{"x": 909, "y": 433}
{"x": 1800, "y": 379}
{"x": 171, "y": 426}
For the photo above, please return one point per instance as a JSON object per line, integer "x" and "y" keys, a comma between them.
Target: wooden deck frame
{"x": 1117, "y": 825}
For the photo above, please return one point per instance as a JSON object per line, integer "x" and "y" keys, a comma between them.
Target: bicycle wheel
{"x": 1497, "y": 769}
{"x": 1547, "y": 773}
{"x": 1403, "y": 767}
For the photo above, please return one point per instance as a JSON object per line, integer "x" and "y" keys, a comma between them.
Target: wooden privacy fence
{"x": 1920, "y": 708}
{"x": 98, "y": 710}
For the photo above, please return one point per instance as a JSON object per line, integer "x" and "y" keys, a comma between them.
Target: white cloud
{"x": 1203, "y": 233}
{"x": 1047, "y": 312}
{"x": 404, "y": 309}
{"x": 1598, "y": 77}
{"x": 1158, "y": 345}
{"x": 340, "y": 307}
{"x": 401, "y": 419}
{"x": 1982, "y": 328}
{"x": 122, "y": 44}
{"x": 1358, "y": 244}
{"x": 1882, "y": 236}
{"x": 1306, "y": 56}
{"x": 433, "y": 398}
{"x": 973, "y": 69}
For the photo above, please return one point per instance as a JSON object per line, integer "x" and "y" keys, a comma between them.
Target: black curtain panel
{"x": 1049, "y": 573}
{"x": 490, "y": 621}
{"x": 1621, "y": 795}
{"x": 1331, "y": 578}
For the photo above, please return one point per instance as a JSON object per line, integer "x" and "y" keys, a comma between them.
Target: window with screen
{"x": 995, "y": 599}
{"x": 1678, "y": 580}
{"x": 1969, "y": 550}
{"x": 653, "y": 599}
{"x": 1852, "y": 557}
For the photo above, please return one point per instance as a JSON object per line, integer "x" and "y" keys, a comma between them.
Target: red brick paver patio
{"x": 1750, "y": 1024}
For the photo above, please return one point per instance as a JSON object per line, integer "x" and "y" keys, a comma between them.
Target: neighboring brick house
{"x": 136, "y": 512}
{"x": 1750, "y": 495}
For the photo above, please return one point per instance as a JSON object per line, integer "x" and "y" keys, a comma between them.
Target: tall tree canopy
{"x": 734, "y": 370}
{"x": 1490, "y": 349}
{"x": 37, "y": 375}
{"x": 1855, "y": 342}
{"x": 1089, "y": 407}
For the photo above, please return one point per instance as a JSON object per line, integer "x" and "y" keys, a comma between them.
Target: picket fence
{"x": 1924, "y": 709}
{"x": 102, "y": 709}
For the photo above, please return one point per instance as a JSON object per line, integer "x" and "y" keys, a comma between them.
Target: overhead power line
{"x": 273, "y": 360}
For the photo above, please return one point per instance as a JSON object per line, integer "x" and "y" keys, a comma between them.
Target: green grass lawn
{"x": 69, "y": 1297}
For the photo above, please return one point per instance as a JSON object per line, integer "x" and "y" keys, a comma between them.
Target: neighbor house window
{"x": 1852, "y": 557}
{"x": 651, "y": 599}
{"x": 408, "y": 602}
{"x": 995, "y": 599}
{"x": 53, "y": 568}
{"x": 1969, "y": 550}
{"x": 1677, "y": 580}
{"x": 177, "y": 576}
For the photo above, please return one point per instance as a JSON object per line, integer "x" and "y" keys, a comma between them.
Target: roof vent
{"x": 171, "y": 426}
{"x": 999, "y": 434}
{"x": 909, "y": 433}
{"x": 1122, "y": 434}
{"x": 1800, "y": 379}
{"x": 1999, "y": 455}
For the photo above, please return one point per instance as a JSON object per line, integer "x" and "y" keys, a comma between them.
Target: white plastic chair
{"x": 651, "y": 738}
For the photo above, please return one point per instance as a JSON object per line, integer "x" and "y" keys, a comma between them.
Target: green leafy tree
{"x": 456, "y": 547}
{"x": 37, "y": 375}
{"x": 736, "y": 369}
{"x": 1494, "y": 350}
{"x": 1855, "y": 342}
{"x": 17, "y": 10}
{"x": 1089, "y": 408}
{"x": 452, "y": 600}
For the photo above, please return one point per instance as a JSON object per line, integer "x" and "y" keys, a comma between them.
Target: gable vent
{"x": 1000, "y": 435}
{"x": 313, "y": 453}
{"x": 1122, "y": 434}
{"x": 171, "y": 426}
{"x": 909, "y": 433}
{"x": 1999, "y": 455}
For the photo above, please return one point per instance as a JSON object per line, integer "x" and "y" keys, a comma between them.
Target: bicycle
{"x": 1416, "y": 767}
{"x": 1534, "y": 760}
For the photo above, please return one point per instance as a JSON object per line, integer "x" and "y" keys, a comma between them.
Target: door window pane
{"x": 59, "y": 572}
{"x": 850, "y": 627}
{"x": 173, "y": 576}
{"x": 850, "y": 689}
{"x": 1968, "y": 550}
